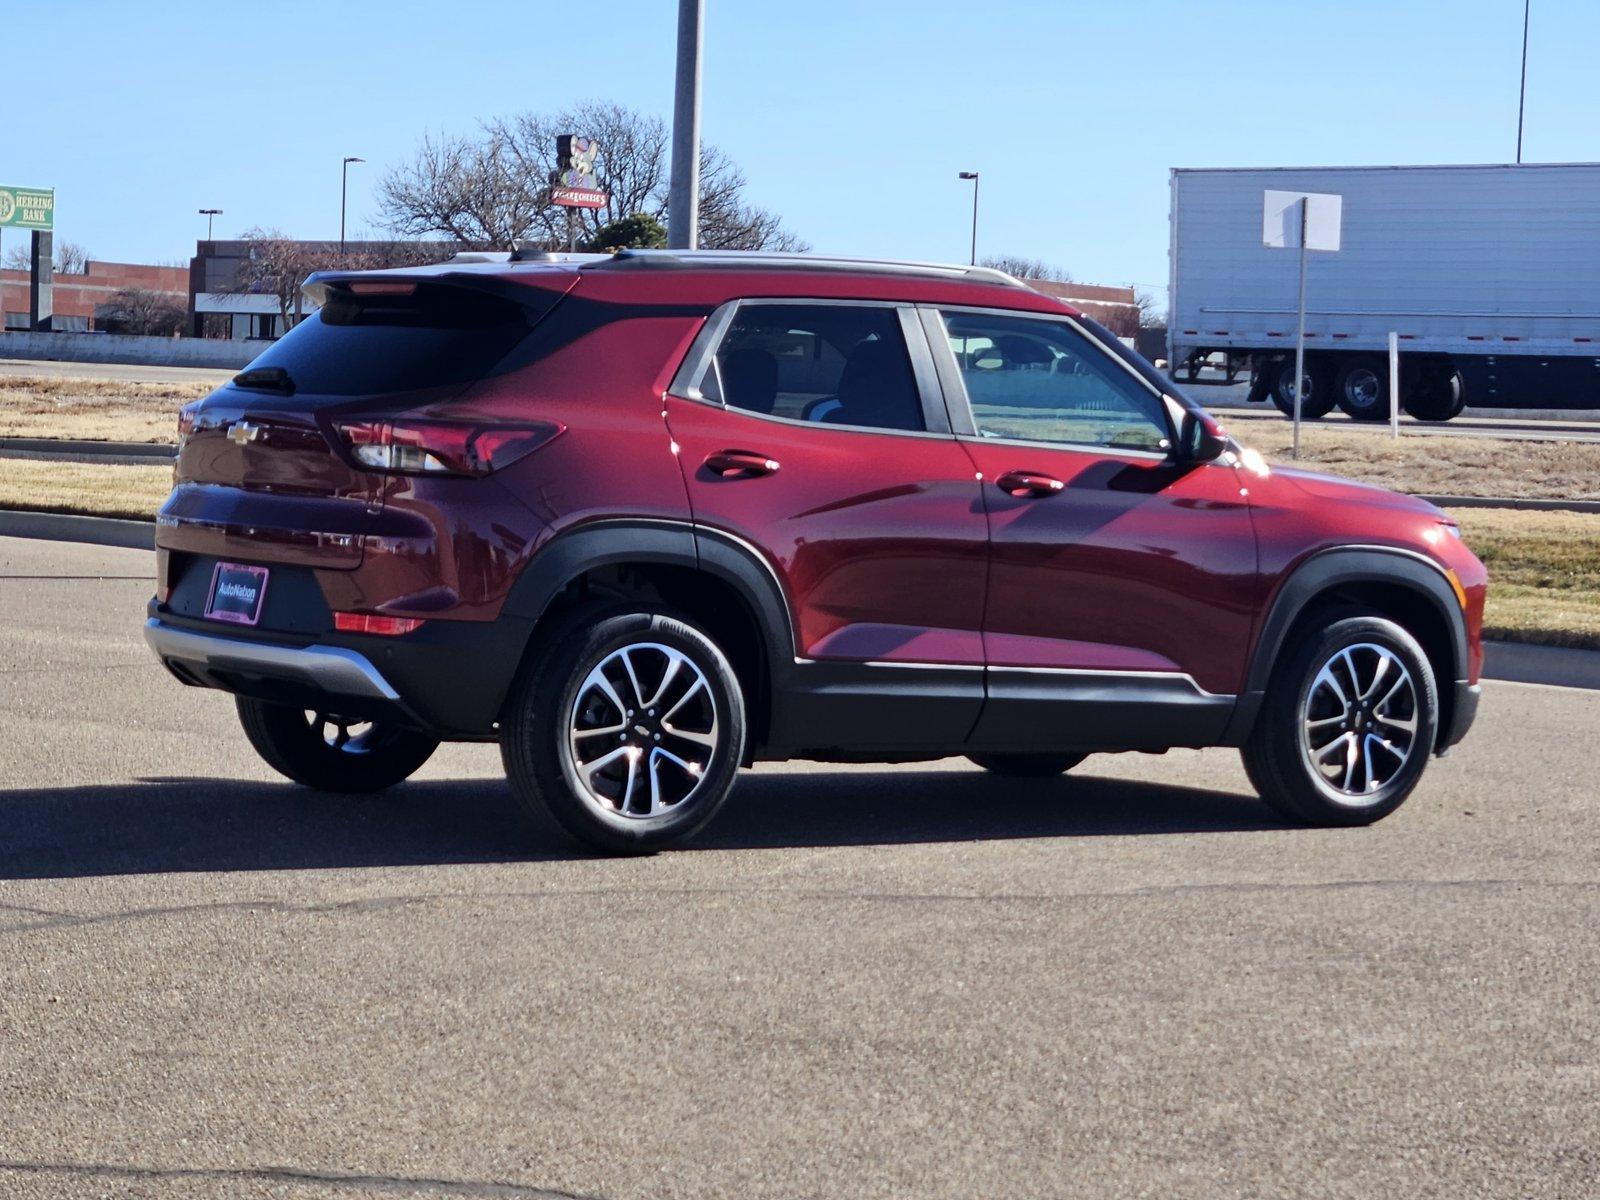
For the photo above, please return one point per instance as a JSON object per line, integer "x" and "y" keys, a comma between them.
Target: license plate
{"x": 236, "y": 593}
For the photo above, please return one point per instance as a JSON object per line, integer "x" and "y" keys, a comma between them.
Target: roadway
{"x": 1509, "y": 424}
{"x": 860, "y": 981}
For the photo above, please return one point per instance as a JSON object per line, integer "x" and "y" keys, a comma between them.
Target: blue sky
{"x": 850, "y": 117}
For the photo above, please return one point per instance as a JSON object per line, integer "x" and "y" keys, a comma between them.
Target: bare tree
{"x": 1151, "y": 315}
{"x": 1028, "y": 268}
{"x": 278, "y": 266}
{"x": 1123, "y": 320}
{"x": 489, "y": 190}
{"x": 70, "y": 258}
{"x": 142, "y": 311}
{"x": 474, "y": 192}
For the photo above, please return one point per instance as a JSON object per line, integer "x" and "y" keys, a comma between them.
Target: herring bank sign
{"x": 27, "y": 208}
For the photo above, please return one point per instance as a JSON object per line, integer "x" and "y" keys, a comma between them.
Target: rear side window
{"x": 833, "y": 364}
{"x": 436, "y": 335}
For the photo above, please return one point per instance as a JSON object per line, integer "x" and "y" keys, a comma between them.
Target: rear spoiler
{"x": 533, "y": 289}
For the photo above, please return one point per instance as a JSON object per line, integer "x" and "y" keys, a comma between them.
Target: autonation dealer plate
{"x": 236, "y": 593}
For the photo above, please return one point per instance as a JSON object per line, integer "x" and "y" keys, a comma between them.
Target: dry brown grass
{"x": 1436, "y": 465}
{"x": 1544, "y": 574}
{"x": 69, "y": 487}
{"x": 101, "y": 410}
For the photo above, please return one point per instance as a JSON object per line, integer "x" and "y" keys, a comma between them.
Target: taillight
{"x": 186, "y": 417}
{"x": 441, "y": 447}
{"x": 353, "y": 622}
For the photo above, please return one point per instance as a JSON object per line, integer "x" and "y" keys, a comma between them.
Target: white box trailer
{"x": 1490, "y": 275}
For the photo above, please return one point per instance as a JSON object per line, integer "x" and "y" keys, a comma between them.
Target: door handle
{"x": 1025, "y": 485}
{"x": 740, "y": 464}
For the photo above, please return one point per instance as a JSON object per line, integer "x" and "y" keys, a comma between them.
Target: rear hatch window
{"x": 411, "y": 338}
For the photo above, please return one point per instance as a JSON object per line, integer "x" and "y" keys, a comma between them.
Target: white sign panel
{"x": 1280, "y": 220}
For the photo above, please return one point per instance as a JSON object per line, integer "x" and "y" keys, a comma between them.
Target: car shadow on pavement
{"x": 189, "y": 824}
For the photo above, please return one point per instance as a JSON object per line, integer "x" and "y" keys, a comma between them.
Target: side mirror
{"x": 1200, "y": 439}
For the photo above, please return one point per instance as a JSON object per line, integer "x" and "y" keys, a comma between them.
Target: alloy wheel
{"x": 642, "y": 730}
{"x": 1359, "y": 722}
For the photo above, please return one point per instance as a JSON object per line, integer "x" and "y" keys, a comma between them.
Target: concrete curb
{"x": 69, "y": 527}
{"x": 1522, "y": 662}
{"x": 1525, "y": 505}
{"x": 72, "y": 448}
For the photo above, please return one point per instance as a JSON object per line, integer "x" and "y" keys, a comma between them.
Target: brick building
{"x": 218, "y": 309}
{"x": 82, "y": 301}
{"x": 1114, "y": 307}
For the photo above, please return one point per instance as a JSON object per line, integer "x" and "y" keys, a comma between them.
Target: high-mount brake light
{"x": 381, "y": 287}
{"x": 353, "y": 622}
{"x": 406, "y": 447}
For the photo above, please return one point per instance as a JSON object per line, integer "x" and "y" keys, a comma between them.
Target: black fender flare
{"x": 718, "y": 554}
{"x": 1325, "y": 571}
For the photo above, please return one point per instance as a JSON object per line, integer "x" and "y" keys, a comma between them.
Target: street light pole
{"x": 683, "y": 196}
{"x": 210, "y": 214}
{"x": 344, "y": 189}
{"x": 1522, "y": 94}
{"x": 973, "y": 175}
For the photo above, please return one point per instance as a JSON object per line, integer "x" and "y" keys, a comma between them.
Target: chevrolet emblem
{"x": 241, "y": 432}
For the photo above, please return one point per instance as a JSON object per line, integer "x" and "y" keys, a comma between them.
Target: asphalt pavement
{"x": 1230, "y": 403}
{"x": 860, "y": 981}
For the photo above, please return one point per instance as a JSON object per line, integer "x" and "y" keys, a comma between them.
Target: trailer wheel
{"x": 1438, "y": 394}
{"x": 1317, "y": 403}
{"x": 1362, "y": 389}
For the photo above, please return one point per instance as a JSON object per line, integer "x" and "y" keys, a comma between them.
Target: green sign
{"x": 27, "y": 208}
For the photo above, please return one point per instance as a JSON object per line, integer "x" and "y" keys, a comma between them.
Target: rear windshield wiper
{"x": 265, "y": 379}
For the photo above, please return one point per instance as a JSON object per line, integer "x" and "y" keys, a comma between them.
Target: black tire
{"x": 1438, "y": 395}
{"x": 554, "y": 707}
{"x": 1317, "y": 404}
{"x": 332, "y": 753}
{"x": 1361, "y": 389}
{"x": 1027, "y": 766}
{"x": 1278, "y": 756}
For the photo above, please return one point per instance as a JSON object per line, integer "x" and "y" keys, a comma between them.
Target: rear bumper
{"x": 448, "y": 679}
{"x": 332, "y": 670}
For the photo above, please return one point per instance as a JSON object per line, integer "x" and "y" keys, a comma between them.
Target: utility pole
{"x": 1300, "y": 334}
{"x": 683, "y": 197}
{"x": 344, "y": 189}
{"x": 1522, "y": 95}
{"x": 973, "y": 175}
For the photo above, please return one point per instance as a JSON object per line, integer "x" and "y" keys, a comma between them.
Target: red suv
{"x": 644, "y": 519}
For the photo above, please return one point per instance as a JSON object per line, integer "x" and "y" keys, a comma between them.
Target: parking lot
{"x": 869, "y": 981}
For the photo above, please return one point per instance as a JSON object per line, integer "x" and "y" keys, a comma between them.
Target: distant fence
{"x": 125, "y": 348}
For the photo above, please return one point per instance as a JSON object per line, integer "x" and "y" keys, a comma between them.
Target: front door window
{"x": 1038, "y": 380}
